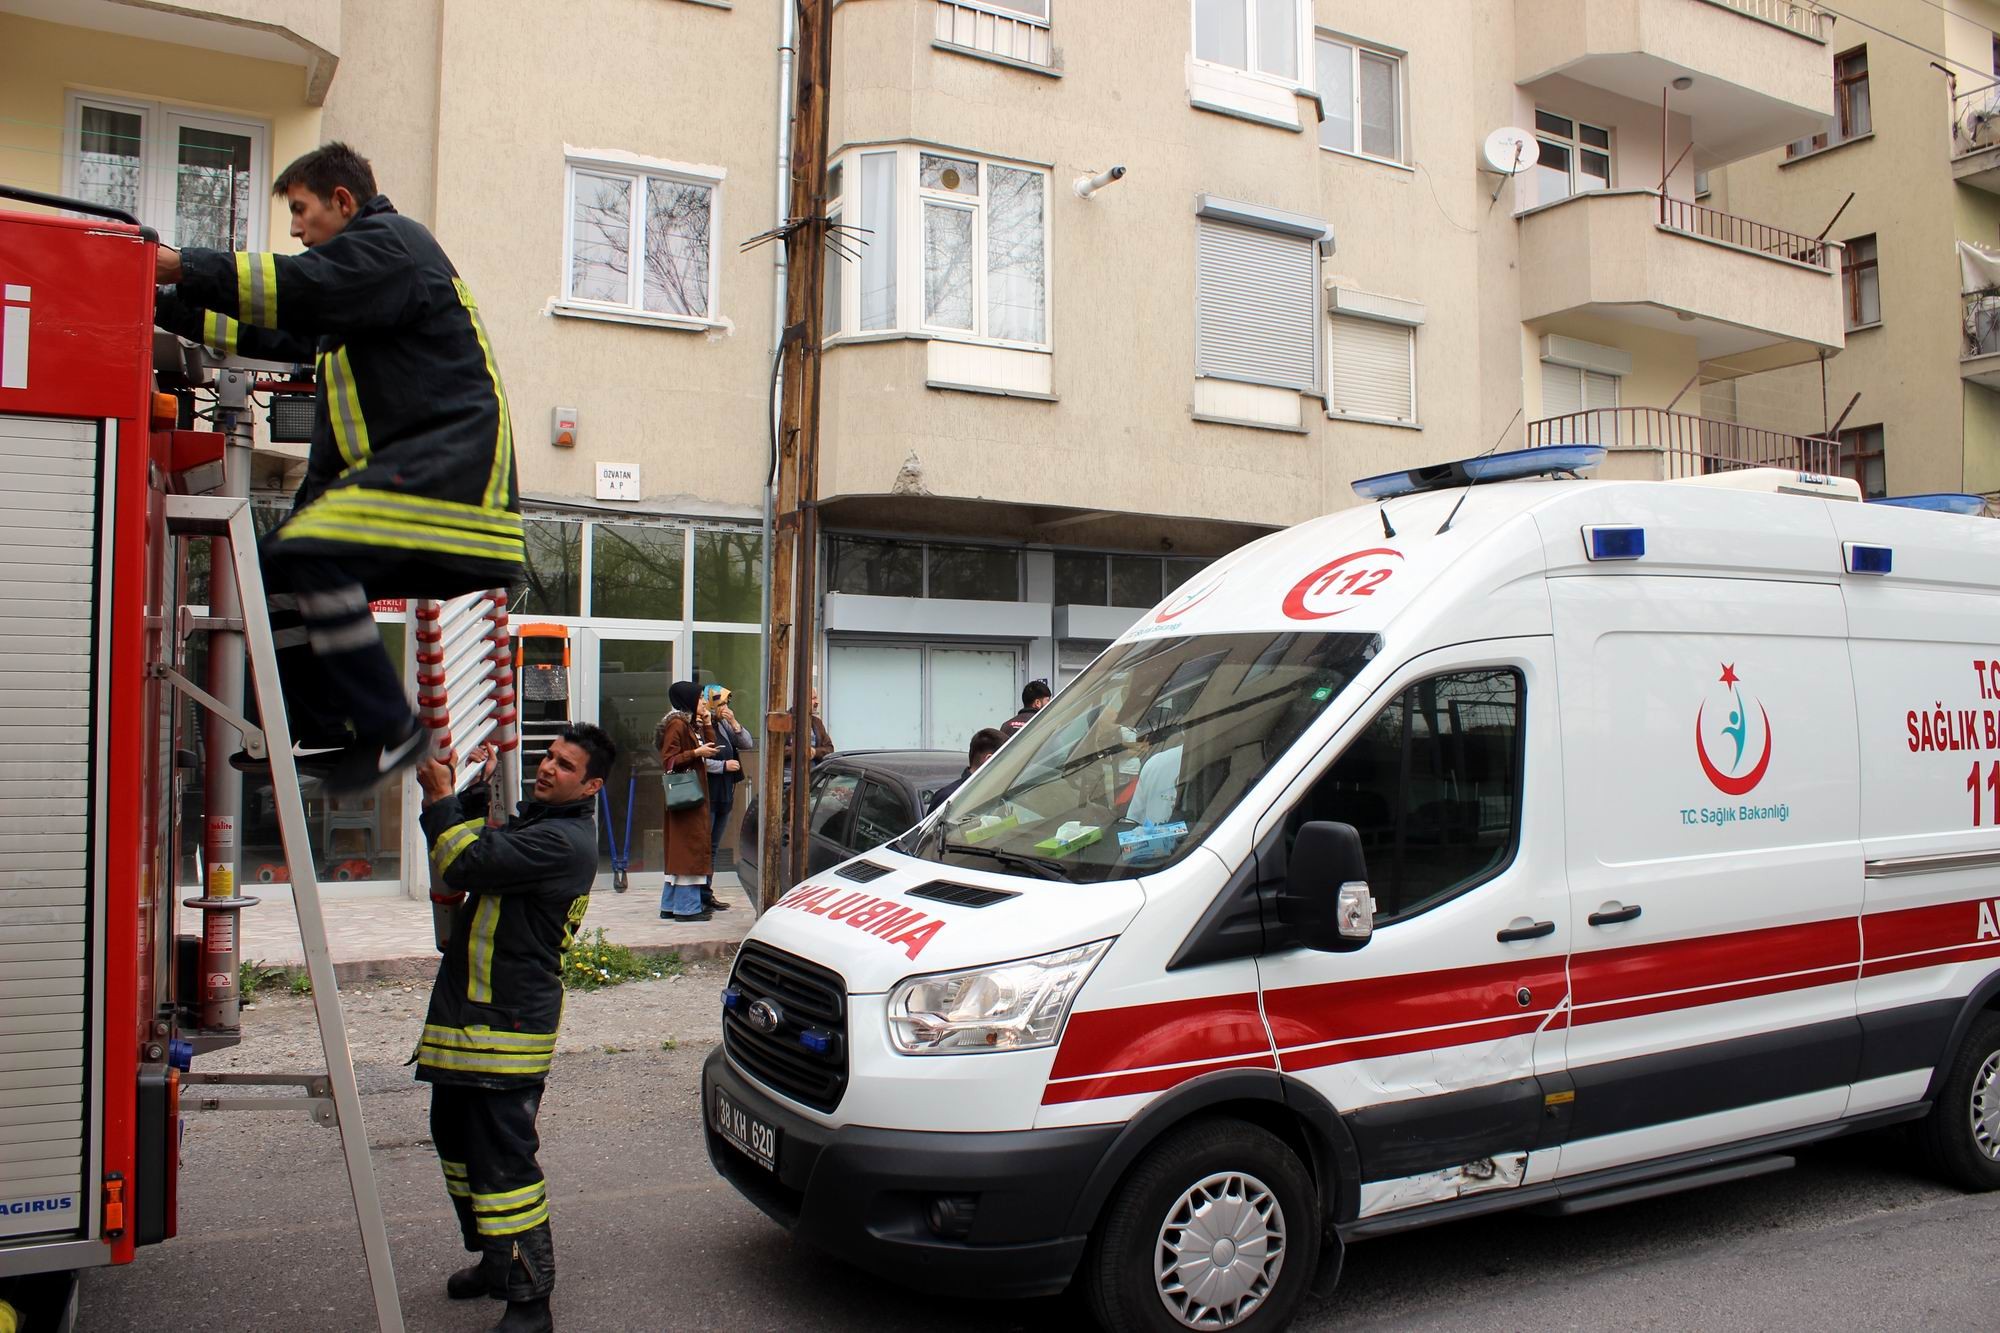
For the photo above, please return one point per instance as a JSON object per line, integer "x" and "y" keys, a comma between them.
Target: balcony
{"x": 1652, "y": 444}
{"x": 291, "y": 32}
{"x": 1751, "y": 295}
{"x": 1975, "y": 138}
{"x": 1979, "y": 362}
{"x": 1017, "y": 33}
{"x": 1760, "y": 68}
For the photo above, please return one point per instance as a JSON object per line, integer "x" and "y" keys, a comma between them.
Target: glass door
{"x": 627, "y": 672}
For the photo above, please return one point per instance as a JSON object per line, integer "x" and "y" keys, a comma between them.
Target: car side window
{"x": 879, "y": 815}
{"x": 832, "y": 802}
{"x": 1433, "y": 785}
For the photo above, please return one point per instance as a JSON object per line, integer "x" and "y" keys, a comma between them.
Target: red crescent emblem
{"x": 1295, "y": 600}
{"x": 1725, "y": 784}
{"x": 1171, "y": 610}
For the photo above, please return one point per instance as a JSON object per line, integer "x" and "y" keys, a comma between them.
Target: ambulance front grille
{"x": 808, "y": 998}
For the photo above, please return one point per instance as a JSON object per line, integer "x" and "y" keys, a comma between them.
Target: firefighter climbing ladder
{"x": 332, "y": 1098}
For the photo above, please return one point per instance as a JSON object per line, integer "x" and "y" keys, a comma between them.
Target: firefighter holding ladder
{"x": 410, "y": 486}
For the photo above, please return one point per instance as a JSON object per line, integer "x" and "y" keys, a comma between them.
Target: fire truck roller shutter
{"x": 48, "y": 594}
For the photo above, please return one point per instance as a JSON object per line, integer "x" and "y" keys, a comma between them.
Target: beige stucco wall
{"x": 41, "y": 63}
{"x": 1906, "y": 371}
{"x": 385, "y": 99}
{"x": 681, "y": 82}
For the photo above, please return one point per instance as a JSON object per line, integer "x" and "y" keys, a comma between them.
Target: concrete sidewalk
{"x": 390, "y": 937}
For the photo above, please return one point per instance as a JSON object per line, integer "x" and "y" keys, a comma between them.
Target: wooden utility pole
{"x": 795, "y": 530}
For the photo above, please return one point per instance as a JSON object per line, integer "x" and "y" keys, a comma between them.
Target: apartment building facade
{"x": 1915, "y": 139}
{"x": 1045, "y": 406}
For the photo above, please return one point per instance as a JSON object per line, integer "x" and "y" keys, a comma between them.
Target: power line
{"x": 1916, "y": 46}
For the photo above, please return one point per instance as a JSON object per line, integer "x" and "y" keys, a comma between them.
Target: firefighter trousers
{"x": 486, "y": 1145}
{"x": 332, "y": 665}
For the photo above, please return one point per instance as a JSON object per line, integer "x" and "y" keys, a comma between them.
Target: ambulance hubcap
{"x": 1220, "y": 1250}
{"x": 1986, "y": 1107}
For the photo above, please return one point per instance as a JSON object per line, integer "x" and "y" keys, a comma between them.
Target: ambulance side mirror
{"x": 1326, "y": 899}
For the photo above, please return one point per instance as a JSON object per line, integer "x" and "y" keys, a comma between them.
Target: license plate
{"x": 752, "y": 1137}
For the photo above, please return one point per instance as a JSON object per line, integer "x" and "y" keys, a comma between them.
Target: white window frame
{"x": 910, "y": 200}
{"x": 1576, "y": 147}
{"x": 638, "y": 169}
{"x": 158, "y": 124}
{"x": 1355, "y": 49}
{"x": 1008, "y": 11}
{"x": 1302, "y": 26}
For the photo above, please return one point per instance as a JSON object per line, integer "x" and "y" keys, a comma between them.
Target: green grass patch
{"x": 594, "y": 962}
{"x": 253, "y": 978}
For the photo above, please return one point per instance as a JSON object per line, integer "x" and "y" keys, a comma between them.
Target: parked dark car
{"x": 860, "y": 799}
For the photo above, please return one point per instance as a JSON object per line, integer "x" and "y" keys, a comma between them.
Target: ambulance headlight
{"x": 1007, "y": 1007}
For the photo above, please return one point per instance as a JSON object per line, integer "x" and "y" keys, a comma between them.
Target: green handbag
{"x": 685, "y": 789}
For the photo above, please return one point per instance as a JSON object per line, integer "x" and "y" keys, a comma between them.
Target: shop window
{"x": 636, "y": 571}
{"x": 1082, "y": 579}
{"x": 973, "y": 573}
{"x": 1433, "y": 785}
{"x": 552, "y": 583}
{"x": 874, "y": 568}
{"x": 728, "y": 576}
{"x": 1135, "y": 580}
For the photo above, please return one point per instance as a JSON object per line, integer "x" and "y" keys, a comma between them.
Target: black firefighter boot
{"x": 530, "y": 1279}
{"x": 488, "y": 1277}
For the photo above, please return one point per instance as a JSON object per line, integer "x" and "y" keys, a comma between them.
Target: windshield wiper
{"x": 1031, "y": 863}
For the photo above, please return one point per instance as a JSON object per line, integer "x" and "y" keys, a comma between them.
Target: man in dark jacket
{"x": 986, "y": 743}
{"x": 409, "y": 488}
{"x": 1035, "y": 696}
{"x": 490, "y": 1034}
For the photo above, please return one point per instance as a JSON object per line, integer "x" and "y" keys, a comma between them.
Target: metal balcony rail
{"x": 1713, "y": 224}
{"x": 1975, "y": 119}
{"x": 1012, "y": 31}
{"x": 1982, "y": 322}
{"x": 1689, "y": 446}
{"x": 1806, "y": 20}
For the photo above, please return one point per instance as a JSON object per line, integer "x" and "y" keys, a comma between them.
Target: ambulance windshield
{"x": 1133, "y": 764}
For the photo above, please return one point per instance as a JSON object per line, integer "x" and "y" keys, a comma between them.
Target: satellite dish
{"x": 1510, "y": 151}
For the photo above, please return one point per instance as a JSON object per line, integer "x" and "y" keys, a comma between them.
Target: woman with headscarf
{"x": 685, "y": 743}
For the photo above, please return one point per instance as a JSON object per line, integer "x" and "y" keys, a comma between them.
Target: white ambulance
{"x": 1501, "y": 843}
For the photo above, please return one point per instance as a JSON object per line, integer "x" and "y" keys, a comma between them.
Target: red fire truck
{"x": 89, "y": 1089}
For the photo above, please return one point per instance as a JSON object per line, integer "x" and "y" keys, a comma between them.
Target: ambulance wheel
{"x": 1217, "y": 1227}
{"x": 1960, "y": 1138}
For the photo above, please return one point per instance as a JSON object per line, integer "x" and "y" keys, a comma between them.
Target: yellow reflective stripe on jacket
{"x": 399, "y": 535}
{"x": 479, "y": 949}
{"x": 454, "y": 841}
{"x": 503, "y": 443}
{"x": 526, "y": 1208}
{"x": 257, "y": 289}
{"x": 343, "y": 405}
{"x": 488, "y": 1039}
{"x": 218, "y": 333}
{"x": 485, "y": 1062}
{"x": 455, "y": 1179}
{"x": 510, "y": 1201}
{"x": 396, "y": 506}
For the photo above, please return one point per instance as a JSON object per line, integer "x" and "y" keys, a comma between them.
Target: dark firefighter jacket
{"x": 412, "y": 458}
{"x": 498, "y": 998}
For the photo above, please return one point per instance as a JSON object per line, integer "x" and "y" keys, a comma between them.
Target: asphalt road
{"x": 647, "y": 1238}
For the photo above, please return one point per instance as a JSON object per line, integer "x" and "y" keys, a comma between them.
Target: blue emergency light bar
{"x": 1943, "y": 502}
{"x": 1514, "y": 465}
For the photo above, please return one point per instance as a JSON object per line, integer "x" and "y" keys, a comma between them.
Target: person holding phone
{"x": 725, "y": 770}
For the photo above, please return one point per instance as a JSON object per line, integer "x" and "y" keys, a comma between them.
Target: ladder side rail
{"x": 507, "y": 714}
{"x": 312, "y": 923}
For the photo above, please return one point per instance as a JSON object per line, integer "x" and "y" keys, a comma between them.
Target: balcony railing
{"x": 1689, "y": 446}
{"x": 1713, "y": 224}
{"x": 1982, "y": 322}
{"x": 1807, "y": 20}
{"x": 1014, "y": 32}
{"x": 1975, "y": 119}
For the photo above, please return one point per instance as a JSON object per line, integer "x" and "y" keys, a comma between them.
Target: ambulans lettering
{"x": 1989, "y": 920}
{"x": 883, "y": 918}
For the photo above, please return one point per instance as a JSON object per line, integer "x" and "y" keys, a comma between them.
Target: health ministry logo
{"x": 1735, "y": 754}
